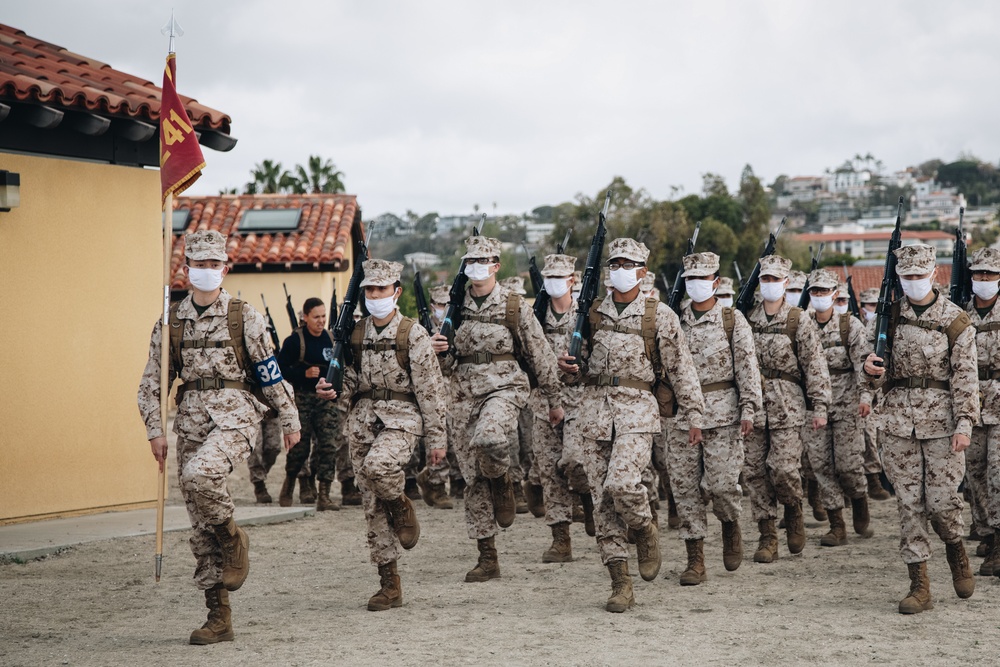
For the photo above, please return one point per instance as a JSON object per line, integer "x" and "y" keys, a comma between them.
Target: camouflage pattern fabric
{"x": 320, "y": 422}
{"x": 771, "y": 470}
{"x": 265, "y": 452}
{"x": 712, "y": 468}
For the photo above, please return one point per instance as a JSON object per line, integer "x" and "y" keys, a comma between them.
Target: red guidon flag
{"x": 181, "y": 160}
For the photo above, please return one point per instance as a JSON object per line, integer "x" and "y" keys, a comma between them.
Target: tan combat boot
{"x": 235, "y": 545}
{"x": 861, "y": 518}
{"x": 732, "y": 545}
{"x": 219, "y": 626}
{"x": 323, "y": 500}
{"x": 535, "y": 497}
{"x": 391, "y": 593}
{"x": 992, "y": 562}
{"x": 261, "y": 494}
{"x": 695, "y": 572}
{"x": 587, "y": 501}
{"x": 795, "y": 528}
{"x": 504, "y": 505}
{"x": 919, "y": 597}
{"x": 560, "y": 551}
{"x": 349, "y": 493}
{"x": 520, "y": 502}
{"x": 647, "y": 549}
{"x": 488, "y": 567}
{"x": 875, "y": 489}
{"x": 307, "y": 490}
{"x": 287, "y": 491}
{"x": 812, "y": 494}
{"x": 767, "y": 548}
{"x": 838, "y": 530}
{"x": 961, "y": 573}
{"x": 433, "y": 494}
{"x": 403, "y": 519}
{"x": 622, "y": 596}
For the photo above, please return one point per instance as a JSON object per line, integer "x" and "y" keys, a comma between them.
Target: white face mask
{"x": 206, "y": 280}
{"x": 840, "y": 310}
{"x": 699, "y": 290}
{"x": 916, "y": 289}
{"x": 624, "y": 279}
{"x": 791, "y": 297}
{"x": 478, "y": 271}
{"x": 556, "y": 287}
{"x": 380, "y": 308}
{"x": 985, "y": 289}
{"x": 438, "y": 312}
{"x": 774, "y": 292}
{"x": 821, "y": 304}
{"x": 869, "y": 315}
{"x": 726, "y": 301}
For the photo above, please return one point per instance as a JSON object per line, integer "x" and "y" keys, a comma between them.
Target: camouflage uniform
{"x": 265, "y": 451}
{"x": 448, "y": 468}
{"x": 774, "y": 449}
{"x": 873, "y": 464}
{"x": 521, "y": 453}
{"x": 489, "y": 392}
{"x": 730, "y": 383}
{"x": 216, "y": 428}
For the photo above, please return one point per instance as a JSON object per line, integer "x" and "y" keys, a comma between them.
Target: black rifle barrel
{"x": 423, "y": 310}
{"x": 290, "y": 309}
{"x": 452, "y": 316}
{"x": 677, "y": 289}
{"x": 270, "y": 325}
{"x": 345, "y": 320}
{"x": 744, "y": 302}
{"x": 589, "y": 284}
{"x": 887, "y": 293}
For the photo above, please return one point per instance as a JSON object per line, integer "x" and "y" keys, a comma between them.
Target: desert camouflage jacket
{"x": 988, "y": 348}
{"x": 844, "y": 363}
{"x": 558, "y": 331}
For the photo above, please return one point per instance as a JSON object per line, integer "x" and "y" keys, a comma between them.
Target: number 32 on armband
{"x": 268, "y": 372}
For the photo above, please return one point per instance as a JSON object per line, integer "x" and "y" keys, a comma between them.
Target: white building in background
{"x": 851, "y": 183}
{"x": 422, "y": 260}
{"x": 448, "y": 223}
{"x": 872, "y": 244}
{"x": 935, "y": 204}
{"x": 538, "y": 232}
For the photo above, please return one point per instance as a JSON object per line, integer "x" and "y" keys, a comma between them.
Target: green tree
{"x": 756, "y": 217}
{"x": 269, "y": 178}
{"x": 318, "y": 176}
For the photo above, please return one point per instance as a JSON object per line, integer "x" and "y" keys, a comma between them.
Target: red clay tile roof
{"x": 32, "y": 70}
{"x": 323, "y": 235}
{"x": 865, "y": 277}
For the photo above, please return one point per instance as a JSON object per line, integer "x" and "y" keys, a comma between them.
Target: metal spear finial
{"x": 172, "y": 29}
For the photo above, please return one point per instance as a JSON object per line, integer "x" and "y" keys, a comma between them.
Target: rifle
{"x": 674, "y": 300}
{"x": 542, "y": 298}
{"x": 270, "y": 325}
{"x": 453, "y": 314}
{"x": 961, "y": 277}
{"x": 744, "y": 302}
{"x": 739, "y": 274}
{"x": 852, "y": 297}
{"x": 345, "y": 320}
{"x": 333, "y": 307}
{"x": 804, "y": 297}
{"x": 590, "y": 283}
{"x": 290, "y": 308}
{"x": 888, "y": 291}
{"x": 423, "y": 310}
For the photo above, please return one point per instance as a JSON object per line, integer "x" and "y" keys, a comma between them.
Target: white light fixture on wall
{"x": 10, "y": 190}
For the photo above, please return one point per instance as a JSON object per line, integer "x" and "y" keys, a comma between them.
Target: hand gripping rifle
{"x": 676, "y": 290}
{"x": 345, "y": 320}
{"x": 423, "y": 310}
{"x": 453, "y": 314}
{"x": 852, "y": 296}
{"x": 270, "y": 325}
{"x": 744, "y": 302}
{"x": 961, "y": 277}
{"x": 887, "y": 293}
{"x": 542, "y": 298}
{"x": 804, "y": 297}
{"x": 290, "y": 308}
{"x": 589, "y": 285}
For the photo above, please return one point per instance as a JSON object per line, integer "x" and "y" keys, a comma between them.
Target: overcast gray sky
{"x": 439, "y": 105}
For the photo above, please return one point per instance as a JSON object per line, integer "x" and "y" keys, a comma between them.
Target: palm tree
{"x": 268, "y": 178}
{"x": 320, "y": 177}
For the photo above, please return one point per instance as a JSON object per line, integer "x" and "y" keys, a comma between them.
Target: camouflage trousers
{"x": 547, "y": 443}
{"x": 982, "y": 476}
{"x": 926, "y": 475}
{"x": 202, "y": 469}
{"x": 521, "y": 453}
{"x": 614, "y": 468}
{"x": 571, "y": 460}
{"x": 873, "y": 464}
{"x": 712, "y": 470}
{"x": 771, "y": 471}
{"x": 378, "y": 455}
{"x": 836, "y": 456}
{"x": 482, "y": 443}
{"x": 265, "y": 452}
{"x": 317, "y": 450}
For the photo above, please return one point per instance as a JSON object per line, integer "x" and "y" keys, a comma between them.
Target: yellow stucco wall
{"x": 80, "y": 285}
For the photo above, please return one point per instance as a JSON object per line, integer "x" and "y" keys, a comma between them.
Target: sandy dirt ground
{"x": 304, "y": 603}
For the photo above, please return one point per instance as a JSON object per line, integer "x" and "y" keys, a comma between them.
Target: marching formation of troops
{"x": 716, "y": 404}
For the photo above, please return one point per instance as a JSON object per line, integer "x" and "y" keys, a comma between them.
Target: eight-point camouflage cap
{"x": 796, "y": 280}
{"x": 725, "y": 287}
{"x": 381, "y": 272}
{"x": 842, "y": 291}
{"x": 985, "y": 259}
{"x": 824, "y": 279}
{"x": 439, "y": 294}
{"x": 628, "y": 249}
{"x": 700, "y": 265}
{"x": 869, "y": 295}
{"x": 515, "y": 284}
{"x": 205, "y": 245}
{"x": 775, "y": 265}
{"x": 558, "y": 266}
{"x": 477, "y": 247}
{"x": 914, "y": 260}
{"x": 647, "y": 282}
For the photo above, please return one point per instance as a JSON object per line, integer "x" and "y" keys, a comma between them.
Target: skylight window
{"x": 181, "y": 217}
{"x": 270, "y": 220}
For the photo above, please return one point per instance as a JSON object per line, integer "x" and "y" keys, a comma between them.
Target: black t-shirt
{"x": 319, "y": 351}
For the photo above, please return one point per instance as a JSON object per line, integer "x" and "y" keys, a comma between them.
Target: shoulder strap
{"x": 235, "y": 318}
{"x": 512, "y": 313}
{"x": 357, "y": 337}
{"x": 728, "y": 323}
{"x": 957, "y": 326}
{"x": 845, "y": 331}
{"x": 176, "y": 335}
{"x": 403, "y": 342}
{"x": 593, "y": 319}
{"x": 792, "y": 328}
{"x": 302, "y": 346}
{"x": 648, "y": 330}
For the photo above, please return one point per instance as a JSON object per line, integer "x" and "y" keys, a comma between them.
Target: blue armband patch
{"x": 267, "y": 372}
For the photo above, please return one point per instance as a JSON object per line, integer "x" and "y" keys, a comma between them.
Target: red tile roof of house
{"x": 865, "y": 277}
{"x": 33, "y": 70}
{"x": 320, "y": 241}
{"x": 874, "y": 236}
